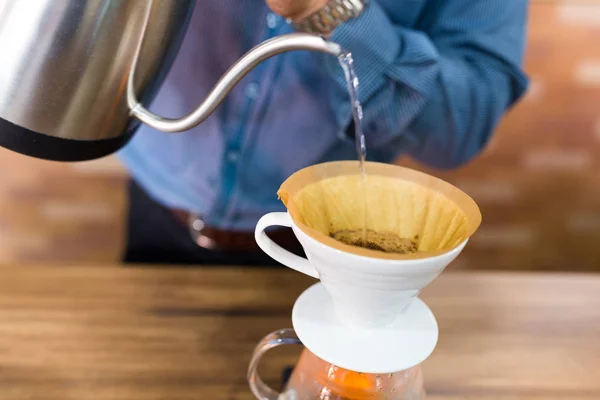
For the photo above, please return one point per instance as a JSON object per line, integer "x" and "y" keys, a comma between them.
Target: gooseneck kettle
{"x": 76, "y": 75}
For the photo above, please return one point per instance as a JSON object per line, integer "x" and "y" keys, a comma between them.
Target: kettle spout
{"x": 265, "y": 50}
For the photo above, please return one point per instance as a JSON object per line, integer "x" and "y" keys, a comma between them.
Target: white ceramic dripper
{"x": 366, "y": 292}
{"x": 366, "y": 315}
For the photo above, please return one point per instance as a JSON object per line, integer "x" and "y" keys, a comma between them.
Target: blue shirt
{"x": 435, "y": 78}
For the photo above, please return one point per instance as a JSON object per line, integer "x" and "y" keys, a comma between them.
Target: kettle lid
{"x": 405, "y": 343}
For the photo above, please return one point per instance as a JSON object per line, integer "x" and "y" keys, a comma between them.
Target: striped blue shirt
{"x": 435, "y": 78}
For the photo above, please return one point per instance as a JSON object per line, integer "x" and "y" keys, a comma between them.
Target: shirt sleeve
{"x": 438, "y": 90}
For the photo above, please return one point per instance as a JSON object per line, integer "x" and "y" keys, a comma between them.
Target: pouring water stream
{"x": 347, "y": 63}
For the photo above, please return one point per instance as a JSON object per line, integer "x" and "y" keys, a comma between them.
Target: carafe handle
{"x": 272, "y": 340}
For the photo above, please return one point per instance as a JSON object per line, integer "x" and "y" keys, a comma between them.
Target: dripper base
{"x": 397, "y": 347}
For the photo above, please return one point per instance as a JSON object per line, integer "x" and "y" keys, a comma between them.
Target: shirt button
{"x": 232, "y": 156}
{"x": 252, "y": 90}
{"x": 272, "y": 20}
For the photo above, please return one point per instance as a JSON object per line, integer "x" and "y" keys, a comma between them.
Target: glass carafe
{"x": 314, "y": 378}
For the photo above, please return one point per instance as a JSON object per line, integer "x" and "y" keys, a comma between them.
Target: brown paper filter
{"x": 327, "y": 198}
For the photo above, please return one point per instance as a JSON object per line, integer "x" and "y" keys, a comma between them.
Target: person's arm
{"x": 443, "y": 85}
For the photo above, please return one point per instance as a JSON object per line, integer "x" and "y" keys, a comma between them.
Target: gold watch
{"x": 330, "y": 16}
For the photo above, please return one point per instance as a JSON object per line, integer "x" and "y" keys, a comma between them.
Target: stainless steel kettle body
{"x": 75, "y": 75}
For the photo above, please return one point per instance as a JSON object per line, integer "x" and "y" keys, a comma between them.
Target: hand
{"x": 296, "y": 10}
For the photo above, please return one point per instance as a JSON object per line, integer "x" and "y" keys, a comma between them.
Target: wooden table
{"x": 164, "y": 333}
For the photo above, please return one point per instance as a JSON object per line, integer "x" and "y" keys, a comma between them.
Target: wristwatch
{"x": 329, "y": 17}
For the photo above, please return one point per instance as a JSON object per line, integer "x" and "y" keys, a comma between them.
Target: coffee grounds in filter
{"x": 388, "y": 242}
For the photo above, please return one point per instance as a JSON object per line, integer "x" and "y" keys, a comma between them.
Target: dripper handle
{"x": 277, "y": 252}
{"x": 275, "y": 339}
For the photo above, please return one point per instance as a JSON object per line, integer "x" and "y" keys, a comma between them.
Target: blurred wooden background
{"x": 538, "y": 183}
{"x": 60, "y": 213}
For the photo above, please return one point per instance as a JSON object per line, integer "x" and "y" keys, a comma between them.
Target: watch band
{"x": 329, "y": 17}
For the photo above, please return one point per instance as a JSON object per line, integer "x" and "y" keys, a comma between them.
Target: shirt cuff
{"x": 374, "y": 44}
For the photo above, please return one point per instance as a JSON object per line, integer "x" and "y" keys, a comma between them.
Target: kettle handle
{"x": 261, "y": 52}
{"x": 272, "y": 340}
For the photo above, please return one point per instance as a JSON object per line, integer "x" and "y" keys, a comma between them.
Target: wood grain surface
{"x": 164, "y": 333}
